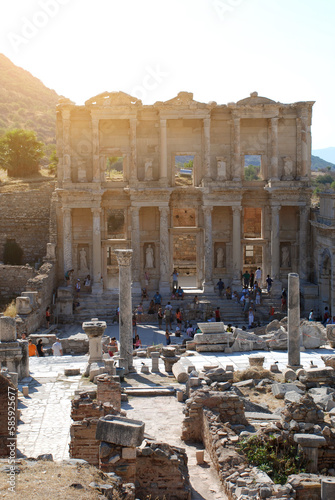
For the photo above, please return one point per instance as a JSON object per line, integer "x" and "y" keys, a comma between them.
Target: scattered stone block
{"x": 120, "y": 430}
{"x": 289, "y": 375}
{"x": 25, "y": 391}
{"x": 70, "y": 372}
{"x": 326, "y": 374}
{"x": 279, "y": 390}
{"x": 292, "y": 397}
{"x": 245, "y": 383}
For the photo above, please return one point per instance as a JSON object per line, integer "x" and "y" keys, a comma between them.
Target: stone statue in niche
{"x": 83, "y": 260}
{"x": 82, "y": 170}
{"x": 285, "y": 256}
{"x": 148, "y": 170}
{"x": 221, "y": 168}
{"x": 288, "y": 168}
{"x": 149, "y": 257}
{"x": 220, "y": 257}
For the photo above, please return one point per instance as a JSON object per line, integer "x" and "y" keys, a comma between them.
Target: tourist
{"x": 190, "y": 331}
{"x": 283, "y": 300}
{"x": 160, "y": 316}
{"x": 220, "y": 285}
{"x": 87, "y": 283}
{"x": 167, "y": 337}
{"x": 252, "y": 278}
{"x": 180, "y": 293}
{"x": 211, "y": 319}
{"x": 311, "y": 315}
{"x": 151, "y": 308}
{"x": 134, "y": 324}
{"x": 271, "y": 313}
{"x": 326, "y": 316}
{"x": 196, "y": 300}
{"x": 137, "y": 342}
{"x": 167, "y": 315}
{"x": 229, "y": 328}
{"x": 246, "y": 279}
{"x": 68, "y": 276}
{"x": 157, "y": 300}
{"x": 258, "y": 298}
{"x": 78, "y": 287}
{"x": 39, "y": 347}
{"x": 57, "y": 349}
{"x": 144, "y": 294}
{"x": 139, "y": 312}
{"x": 146, "y": 278}
{"x": 251, "y": 317}
{"x": 228, "y": 293}
{"x": 258, "y": 275}
{"x": 175, "y": 279}
{"x": 47, "y": 316}
{"x": 178, "y": 331}
{"x": 112, "y": 346}
{"x": 179, "y": 316}
{"x": 269, "y": 282}
{"x": 31, "y": 348}
{"x": 217, "y": 315}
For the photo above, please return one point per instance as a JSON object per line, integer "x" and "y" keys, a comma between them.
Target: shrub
{"x": 13, "y": 253}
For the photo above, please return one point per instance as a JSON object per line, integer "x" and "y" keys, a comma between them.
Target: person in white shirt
{"x": 258, "y": 276}
{"x": 57, "y": 348}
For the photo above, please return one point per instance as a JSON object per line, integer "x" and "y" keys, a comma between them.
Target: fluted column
{"x": 67, "y": 238}
{"x": 96, "y": 246}
{"x": 66, "y": 145}
{"x": 125, "y": 315}
{"x": 95, "y": 148}
{"x": 163, "y": 151}
{"x": 136, "y": 245}
{"x": 275, "y": 243}
{"x": 237, "y": 148}
{"x": 304, "y": 144}
{"x": 208, "y": 251}
{"x": 303, "y": 243}
{"x": 164, "y": 284}
{"x": 274, "y": 149}
{"x": 133, "y": 150}
{"x": 237, "y": 255}
{"x": 206, "y": 147}
{"x": 265, "y": 248}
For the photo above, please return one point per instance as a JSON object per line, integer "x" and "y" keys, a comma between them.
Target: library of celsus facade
{"x": 174, "y": 181}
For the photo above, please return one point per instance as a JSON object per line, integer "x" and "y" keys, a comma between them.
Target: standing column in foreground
{"x": 125, "y": 316}
{"x": 293, "y": 321}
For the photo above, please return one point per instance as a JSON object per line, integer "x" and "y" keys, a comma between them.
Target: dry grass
{"x": 255, "y": 373}
{"x": 52, "y": 481}
{"x": 10, "y": 310}
{"x": 10, "y": 184}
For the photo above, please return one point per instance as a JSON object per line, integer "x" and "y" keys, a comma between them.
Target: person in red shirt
{"x": 217, "y": 315}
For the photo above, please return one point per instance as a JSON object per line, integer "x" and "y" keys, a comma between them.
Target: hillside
{"x": 327, "y": 154}
{"x": 25, "y": 102}
{"x": 319, "y": 164}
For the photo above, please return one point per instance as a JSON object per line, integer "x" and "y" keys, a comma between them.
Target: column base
{"x": 97, "y": 289}
{"x": 294, "y": 367}
{"x": 276, "y": 288}
{"x": 208, "y": 286}
{"x": 136, "y": 287}
{"x": 165, "y": 288}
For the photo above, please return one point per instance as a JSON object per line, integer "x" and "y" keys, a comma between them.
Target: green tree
{"x": 53, "y": 162}
{"x": 20, "y": 153}
{"x": 324, "y": 179}
{"x": 251, "y": 173}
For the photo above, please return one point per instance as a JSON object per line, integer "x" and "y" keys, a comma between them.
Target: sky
{"x": 221, "y": 50}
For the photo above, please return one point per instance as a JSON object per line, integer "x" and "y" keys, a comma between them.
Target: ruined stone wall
{"x": 13, "y": 280}
{"x": 25, "y": 218}
{"x": 83, "y": 444}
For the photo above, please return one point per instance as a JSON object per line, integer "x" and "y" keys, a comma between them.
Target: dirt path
{"x": 163, "y": 418}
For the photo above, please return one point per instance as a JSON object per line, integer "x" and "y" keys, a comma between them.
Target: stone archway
{"x": 326, "y": 281}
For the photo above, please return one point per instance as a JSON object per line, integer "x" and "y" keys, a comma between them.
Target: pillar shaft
{"x": 164, "y": 284}
{"x": 206, "y": 146}
{"x": 124, "y": 258}
{"x": 96, "y": 246}
{"x": 163, "y": 150}
{"x": 133, "y": 149}
{"x": 67, "y": 238}
{"x": 237, "y": 244}
{"x": 293, "y": 321}
{"x": 237, "y": 148}
{"x": 274, "y": 149}
{"x": 208, "y": 251}
{"x": 303, "y": 243}
{"x": 135, "y": 243}
{"x": 66, "y": 145}
{"x": 95, "y": 147}
{"x": 304, "y": 143}
{"x": 275, "y": 265}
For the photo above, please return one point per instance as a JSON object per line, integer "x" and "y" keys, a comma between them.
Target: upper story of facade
{"x": 114, "y": 141}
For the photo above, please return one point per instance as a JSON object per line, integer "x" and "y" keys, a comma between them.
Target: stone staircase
{"x": 104, "y": 308}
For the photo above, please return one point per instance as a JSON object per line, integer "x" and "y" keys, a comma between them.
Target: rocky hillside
{"x": 25, "y": 102}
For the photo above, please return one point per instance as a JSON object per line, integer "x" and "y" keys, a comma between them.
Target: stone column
{"x": 164, "y": 258}
{"x": 308, "y": 447}
{"x": 66, "y": 115}
{"x": 275, "y": 264}
{"x": 97, "y": 287}
{"x": 135, "y": 243}
{"x": 304, "y": 144}
{"x": 94, "y": 329}
{"x": 265, "y": 247}
{"x": 237, "y": 258}
{"x": 206, "y": 148}
{"x": 163, "y": 151}
{"x": 237, "y": 148}
{"x": 303, "y": 243}
{"x": 208, "y": 253}
{"x": 293, "y": 323}
{"x": 327, "y": 488}
{"x": 274, "y": 149}
{"x": 67, "y": 239}
{"x": 95, "y": 149}
{"x": 133, "y": 150}
{"x": 125, "y": 317}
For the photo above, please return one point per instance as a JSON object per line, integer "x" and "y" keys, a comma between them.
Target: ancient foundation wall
{"x": 25, "y": 217}
{"x": 13, "y": 280}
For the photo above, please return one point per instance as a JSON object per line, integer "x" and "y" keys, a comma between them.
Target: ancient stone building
{"x": 241, "y": 201}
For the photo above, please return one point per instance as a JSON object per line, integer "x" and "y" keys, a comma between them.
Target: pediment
{"x": 182, "y": 100}
{"x": 113, "y": 99}
{"x": 255, "y": 100}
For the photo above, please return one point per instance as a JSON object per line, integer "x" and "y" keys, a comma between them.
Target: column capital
{"x": 207, "y": 121}
{"x": 237, "y": 209}
{"x": 124, "y": 256}
{"x": 207, "y": 210}
{"x": 66, "y": 114}
{"x": 134, "y": 210}
{"x": 275, "y": 209}
{"x": 304, "y": 210}
{"x": 66, "y": 210}
{"x": 96, "y": 211}
{"x": 162, "y": 122}
{"x": 164, "y": 211}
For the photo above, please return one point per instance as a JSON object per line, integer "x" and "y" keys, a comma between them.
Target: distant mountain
{"x": 25, "y": 102}
{"x": 319, "y": 164}
{"x": 327, "y": 154}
